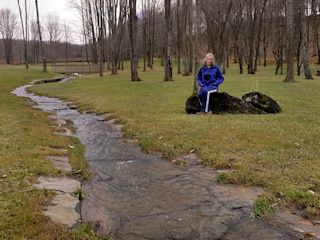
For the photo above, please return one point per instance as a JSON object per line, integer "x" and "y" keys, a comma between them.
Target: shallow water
{"x": 134, "y": 195}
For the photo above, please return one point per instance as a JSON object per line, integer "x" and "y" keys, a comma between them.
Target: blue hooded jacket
{"x": 216, "y": 76}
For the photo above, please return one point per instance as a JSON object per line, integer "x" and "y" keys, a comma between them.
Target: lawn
{"x": 25, "y": 138}
{"x": 277, "y": 151}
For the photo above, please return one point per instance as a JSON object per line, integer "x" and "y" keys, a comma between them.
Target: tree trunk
{"x": 184, "y": 37}
{"x": 265, "y": 45}
{"x": 289, "y": 29}
{"x": 298, "y": 54}
{"x": 40, "y": 36}
{"x": 251, "y": 69}
{"x": 304, "y": 38}
{"x": 94, "y": 40}
{"x": 196, "y": 43}
{"x": 258, "y": 38}
{"x": 168, "y": 58}
{"x": 153, "y": 32}
{"x": 179, "y": 36}
{"x": 24, "y": 34}
{"x": 133, "y": 39}
{"x": 190, "y": 37}
{"x": 144, "y": 30}
{"x": 99, "y": 7}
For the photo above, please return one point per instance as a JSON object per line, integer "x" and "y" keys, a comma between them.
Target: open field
{"x": 279, "y": 152}
{"x": 25, "y": 138}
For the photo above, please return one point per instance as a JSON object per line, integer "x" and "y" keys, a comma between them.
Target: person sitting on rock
{"x": 209, "y": 78}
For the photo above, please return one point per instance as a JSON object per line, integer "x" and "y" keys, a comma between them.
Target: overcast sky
{"x": 61, "y": 8}
{"x": 58, "y": 7}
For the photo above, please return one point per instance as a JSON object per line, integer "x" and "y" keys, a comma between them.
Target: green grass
{"x": 277, "y": 151}
{"x": 25, "y": 138}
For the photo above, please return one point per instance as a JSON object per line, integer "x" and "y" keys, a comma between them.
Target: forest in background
{"x": 246, "y": 32}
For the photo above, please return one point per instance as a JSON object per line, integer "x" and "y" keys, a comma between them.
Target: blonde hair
{"x": 213, "y": 59}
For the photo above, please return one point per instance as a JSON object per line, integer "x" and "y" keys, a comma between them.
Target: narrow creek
{"x": 134, "y": 195}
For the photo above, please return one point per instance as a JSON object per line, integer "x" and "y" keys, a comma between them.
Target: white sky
{"x": 61, "y": 8}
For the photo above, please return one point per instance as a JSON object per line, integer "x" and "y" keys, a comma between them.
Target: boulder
{"x": 262, "y": 102}
{"x": 192, "y": 104}
{"x": 222, "y": 103}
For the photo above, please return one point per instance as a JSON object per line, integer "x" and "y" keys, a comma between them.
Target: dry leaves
{"x": 3, "y": 175}
{"x": 306, "y": 222}
{"x": 241, "y": 189}
{"x": 311, "y": 234}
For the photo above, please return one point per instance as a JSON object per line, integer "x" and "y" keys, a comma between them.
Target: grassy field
{"x": 279, "y": 152}
{"x": 25, "y": 138}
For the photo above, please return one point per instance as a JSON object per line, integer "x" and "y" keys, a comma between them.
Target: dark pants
{"x": 204, "y": 95}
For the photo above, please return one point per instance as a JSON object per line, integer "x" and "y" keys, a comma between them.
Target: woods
{"x": 247, "y": 32}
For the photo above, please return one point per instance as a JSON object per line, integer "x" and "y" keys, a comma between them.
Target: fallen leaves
{"x": 241, "y": 189}
{"x": 192, "y": 151}
{"x": 306, "y": 222}
{"x": 3, "y": 175}
{"x": 311, "y": 234}
{"x": 311, "y": 192}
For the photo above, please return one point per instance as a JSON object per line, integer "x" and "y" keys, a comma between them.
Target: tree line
{"x": 247, "y": 32}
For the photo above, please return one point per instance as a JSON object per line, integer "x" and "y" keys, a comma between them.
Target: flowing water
{"x": 134, "y": 195}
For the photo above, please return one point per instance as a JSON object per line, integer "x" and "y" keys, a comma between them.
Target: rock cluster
{"x": 223, "y": 103}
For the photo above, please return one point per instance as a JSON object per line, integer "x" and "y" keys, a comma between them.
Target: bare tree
{"x": 53, "y": 31}
{"x": 190, "y": 33}
{"x": 197, "y": 42}
{"x": 40, "y": 36}
{"x": 117, "y": 12}
{"x": 304, "y": 39}
{"x": 34, "y": 44}
{"x": 259, "y": 35}
{"x": 184, "y": 36}
{"x": 133, "y": 19}
{"x": 8, "y": 24}
{"x": 178, "y": 14}
{"x": 168, "y": 57}
{"x": 144, "y": 33}
{"x": 217, "y": 16}
{"x": 237, "y": 29}
{"x": 100, "y": 15}
{"x": 289, "y": 30}
{"x": 93, "y": 32}
{"x": 315, "y": 9}
{"x": 277, "y": 35}
{"x": 66, "y": 33}
{"x": 24, "y": 32}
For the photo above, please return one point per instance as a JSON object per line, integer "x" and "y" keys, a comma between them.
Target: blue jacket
{"x": 215, "y": 79}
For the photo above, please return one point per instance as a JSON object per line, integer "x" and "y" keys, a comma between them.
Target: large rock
{"x": 262, "y": 102}
{"x": 223, "y": 103}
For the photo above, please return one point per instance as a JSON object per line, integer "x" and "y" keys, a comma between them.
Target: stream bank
{"x": 134, "y": 195}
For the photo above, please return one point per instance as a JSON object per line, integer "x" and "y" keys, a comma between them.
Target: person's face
{"x": 209, "y": 61}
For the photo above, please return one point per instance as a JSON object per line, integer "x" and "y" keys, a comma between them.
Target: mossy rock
{"x": 262, "y": 102}
{"x": 222, "y": 103}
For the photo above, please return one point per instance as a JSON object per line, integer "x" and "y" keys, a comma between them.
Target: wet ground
{"x": 134, "y": 195}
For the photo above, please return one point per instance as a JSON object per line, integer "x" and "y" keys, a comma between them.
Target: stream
{"x": 134, "y": 195}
